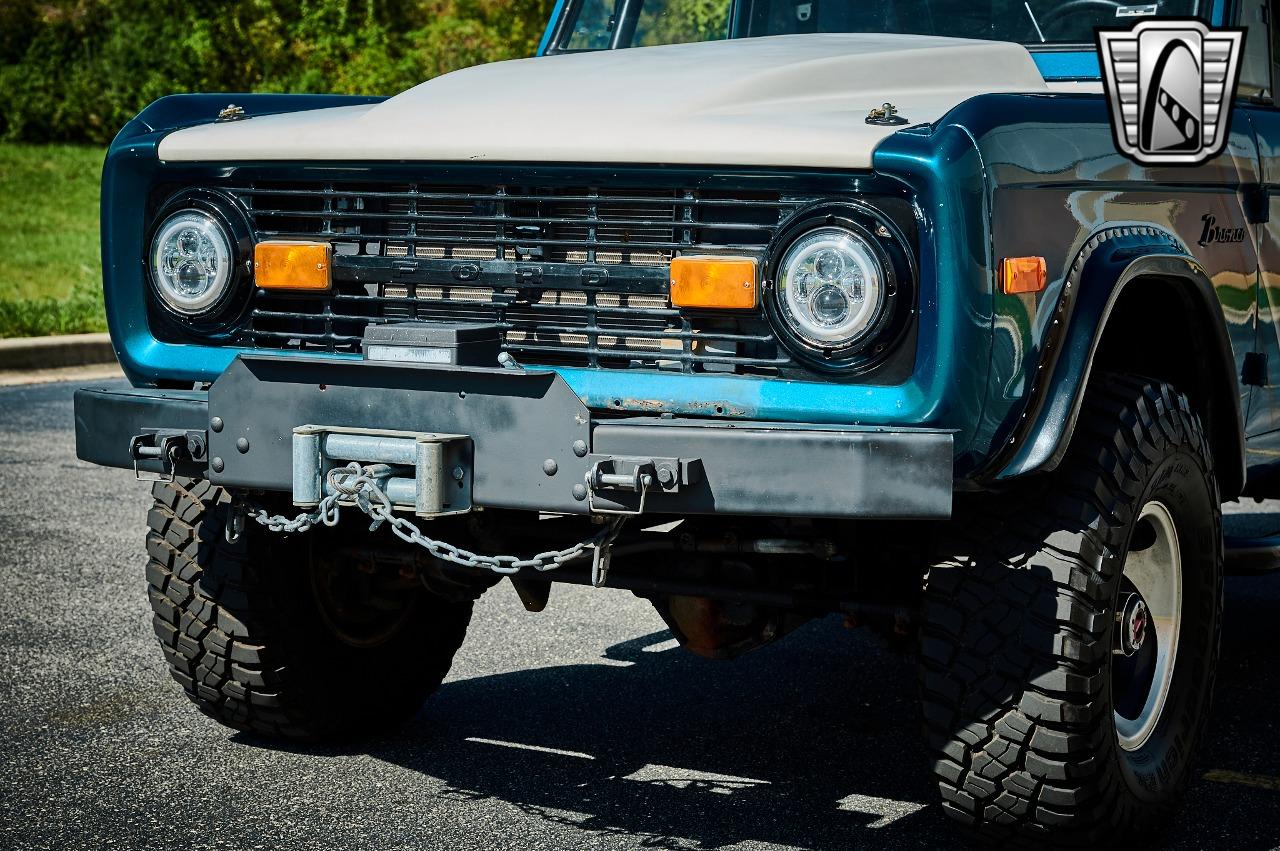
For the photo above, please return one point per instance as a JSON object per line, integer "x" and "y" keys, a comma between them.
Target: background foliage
{"x": 682, "y": 20}
{"x": 77, "y": 70}
{"x": 50, "y": 281}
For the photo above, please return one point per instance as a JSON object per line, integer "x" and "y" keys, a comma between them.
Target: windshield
{"x": 602, "y": 24}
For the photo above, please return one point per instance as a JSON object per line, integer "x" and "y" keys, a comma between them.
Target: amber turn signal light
{"x": 292, "y": 265}
{"x": 722, "y": 282}
{"x": 1022, "y": 275}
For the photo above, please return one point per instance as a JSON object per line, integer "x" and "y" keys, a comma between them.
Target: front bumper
{"x": 532, "y": 442}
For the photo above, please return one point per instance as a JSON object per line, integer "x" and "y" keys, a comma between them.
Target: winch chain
{"x": 360, "y": 483}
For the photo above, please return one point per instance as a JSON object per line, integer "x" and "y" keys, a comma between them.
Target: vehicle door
{"x": 1262, "y": 424}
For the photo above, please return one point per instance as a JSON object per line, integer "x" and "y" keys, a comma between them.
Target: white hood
{"x": 798, "y": 101}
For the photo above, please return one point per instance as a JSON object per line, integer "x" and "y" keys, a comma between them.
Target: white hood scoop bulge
{"x": 798, "y": 101}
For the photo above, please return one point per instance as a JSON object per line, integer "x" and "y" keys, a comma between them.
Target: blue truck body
{"x": 1000, "y": 175}
{"x": 1019, "y": 458}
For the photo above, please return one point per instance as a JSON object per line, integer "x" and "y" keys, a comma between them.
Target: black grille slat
{"x": 506, "y": 241}
{"x": 655, "y": 223}
{"x": 585, "y": 326}
{"x": 693, "y": 200}
{"x": 665, "y": 312}
{"x": 398, "y": 248}
{"x": 583, "y": 221}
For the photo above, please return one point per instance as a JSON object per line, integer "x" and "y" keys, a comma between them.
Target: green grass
{"x": 50, "y": 270}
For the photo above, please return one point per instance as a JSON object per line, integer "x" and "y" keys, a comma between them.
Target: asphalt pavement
{"x": 582, "y": 727}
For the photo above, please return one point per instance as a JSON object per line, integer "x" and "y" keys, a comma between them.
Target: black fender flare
{"x": 1112, "y": 259}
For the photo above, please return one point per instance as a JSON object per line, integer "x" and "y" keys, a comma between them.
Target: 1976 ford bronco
{"x": 763, "y": 310}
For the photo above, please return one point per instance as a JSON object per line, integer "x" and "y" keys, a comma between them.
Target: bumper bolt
{"x": 458, "y": 474}
{"x": 218, "y": 465}
{"x": 580, "y": 448}
{"x": 579, "y": 492}
{"x": 242, "y": 445}
{"x": 216, "y": 424}
{"x": 550, "y": 467}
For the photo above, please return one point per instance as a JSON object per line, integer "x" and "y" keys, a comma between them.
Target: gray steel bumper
{"x": 533, "y": 442}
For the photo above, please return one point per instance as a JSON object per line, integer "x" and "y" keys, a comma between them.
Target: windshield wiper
{"x": 1034, "y": 22}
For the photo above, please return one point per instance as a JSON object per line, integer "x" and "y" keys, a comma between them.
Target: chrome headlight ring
{"x": 839, "y": 280}
{"x": 196, "y": 257}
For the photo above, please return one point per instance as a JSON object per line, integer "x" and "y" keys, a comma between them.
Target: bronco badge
{"x": 1170, "y": 84}
{"x": 1213, "y": 232}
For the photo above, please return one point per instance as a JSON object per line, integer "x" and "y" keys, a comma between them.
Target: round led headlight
{"x": 831, "y": 288}
{"x": 191, "y": 260}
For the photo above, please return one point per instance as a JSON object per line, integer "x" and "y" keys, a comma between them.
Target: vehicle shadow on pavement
{"x": 680, "y": 752}
{"x": 814, "y": 742}
{"x": 810, "y": 743}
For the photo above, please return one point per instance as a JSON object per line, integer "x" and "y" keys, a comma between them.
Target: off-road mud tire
{"x": 240, "y": 629}
{"x": 1016, "y": 642}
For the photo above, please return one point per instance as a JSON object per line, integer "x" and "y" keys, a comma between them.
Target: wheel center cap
{"x": 1132, "y": 621}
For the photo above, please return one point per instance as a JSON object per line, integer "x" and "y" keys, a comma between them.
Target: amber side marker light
{"x": 292, "y": 265}
{"x": 722, "y": 282}
{"x": 1022, "y": 275}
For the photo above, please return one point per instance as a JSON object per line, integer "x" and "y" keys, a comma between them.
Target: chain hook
{"x": 603, "y": 553}
{"x": 234, "y": 527}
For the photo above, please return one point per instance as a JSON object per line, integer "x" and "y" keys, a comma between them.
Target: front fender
{"x": 126, "y": 180}
{"x": 1110, "y": 261}
{"x": 175, "y": 112}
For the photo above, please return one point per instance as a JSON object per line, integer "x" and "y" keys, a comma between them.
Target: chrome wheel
{"x": 1148, "y": 621}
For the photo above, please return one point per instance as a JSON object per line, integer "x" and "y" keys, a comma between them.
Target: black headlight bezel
{"x": 225, "y": 312}
{"x": 891, "y": 249}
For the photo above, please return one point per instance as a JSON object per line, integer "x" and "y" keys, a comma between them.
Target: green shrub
{"x": 78, "y": 313}
{"x": 77, "y": 70}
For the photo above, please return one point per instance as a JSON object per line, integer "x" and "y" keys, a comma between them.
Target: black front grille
{"x": 570, "y": 275}
{"x": 641, "y": 227}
